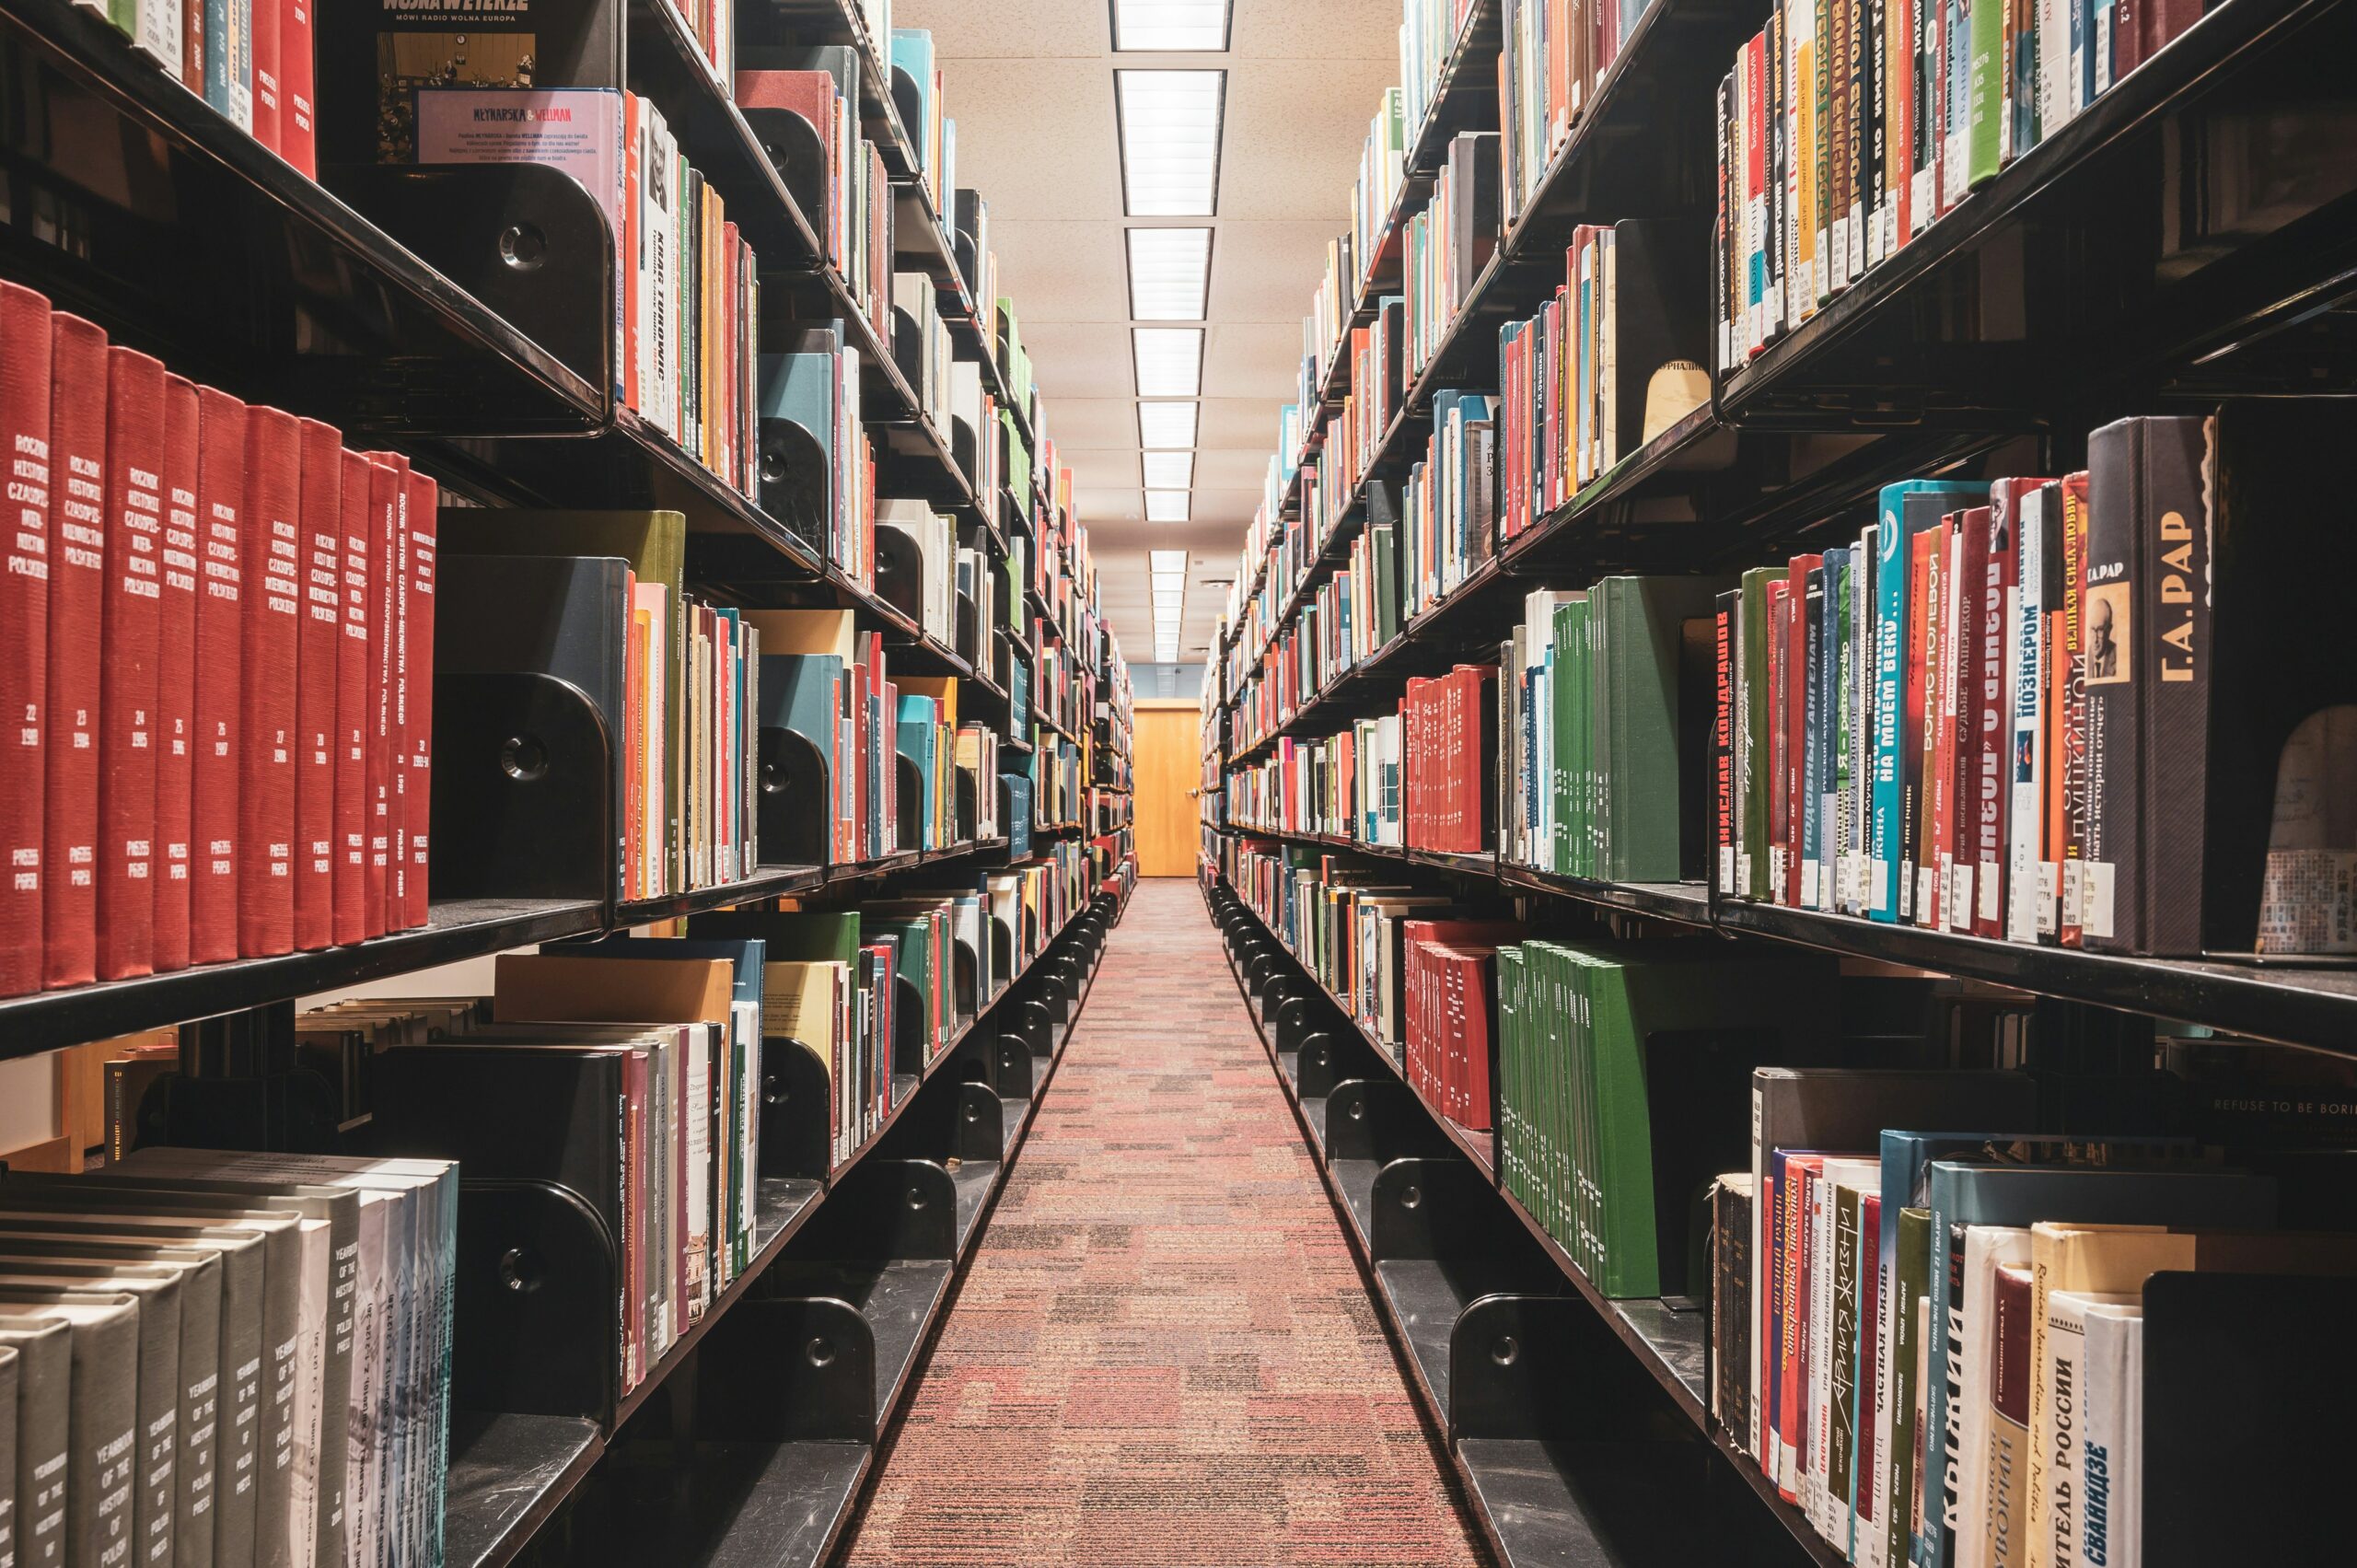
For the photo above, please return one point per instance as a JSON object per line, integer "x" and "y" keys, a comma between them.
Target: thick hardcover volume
{"x": 387, "y": 839}
{"x": 355, "y": 717}
{"x": 299, "y": 138}
{"x": 176, "y": 680}
{"x": 77, "y": 444}
{"x": 385, "y": 500}
{"x": 29, "y": 562}
{"x": 262, "y": 33}
{"x": 272, "y": 602}
{"x": 219, "y": 656}
{"x": 319, "y": 622}
{"x": 2146, "y": 645}
{"x": 416, "y": 768}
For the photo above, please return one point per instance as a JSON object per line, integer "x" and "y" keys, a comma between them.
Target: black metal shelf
{"x": 1669, "y": 1340}
{"x": 454, "y": 930}
{"x": 510, "y": 1474}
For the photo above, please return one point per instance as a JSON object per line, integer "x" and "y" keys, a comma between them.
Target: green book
{"x": 1911, "y": 1287}
{"x": 1985, "y": 82}
{"x": 809, "y": 936}
{"x": 1511, "y": 1098}
{"x": 1644, "y": 628}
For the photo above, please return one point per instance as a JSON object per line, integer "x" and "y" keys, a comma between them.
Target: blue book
{"x": 912, "y": 59}
{"x": 1884, "y": 850}
{"x": 1962, "y": 1194}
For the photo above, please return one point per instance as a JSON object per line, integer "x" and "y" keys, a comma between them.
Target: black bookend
{"x": 788, "y": 1369}
{"x": 529, "y": 655}
{"x": 796, "y": 477}
{"x": 1010, "y": 1066}
{"x": 2248, "y": 1383}
{"x": 908, "y": 348}
{"x": 911, "y": 798}
{"x": 982, "y": 1123}
{"x": 795, "y": 149}
{"x": 796, "y": 1104}
{"x": 969, "y": 820}
{"x": 1379, "y": 1119}
{"x": 908, "y": 1027}
{"x": 973, "y": 637}
{"x": 908, "y": 97}
{"x": 900, "y": 572}
{"x": 964, "y": 445}
{"x": 526, "y": 239}
{"x": 886, "y": 1209}
{"x": 538, "y": 1277}
{"x": 793, "y": 776}
{"x": 966, "y": 978}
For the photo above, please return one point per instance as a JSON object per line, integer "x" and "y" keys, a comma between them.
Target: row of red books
{"x": 1449, "y": 981}
{"x": 1451, "y": 736}
{"x": 215, "y": 635}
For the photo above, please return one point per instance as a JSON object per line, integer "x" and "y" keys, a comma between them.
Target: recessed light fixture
{"x": 1166, "y": 505}
{"x": 1169, "y": 361}
{"x": 1170, "y": 471}
{"x": 1170, "y": 132}
{"x": 1162, "y": 563}
{"x": 1170, "y": 274}
{"x": 1166, "y": 426}
{"x": 1169, "y": 26}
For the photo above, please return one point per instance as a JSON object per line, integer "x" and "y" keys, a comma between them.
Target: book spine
{"x": 384, "y": 520}
{"x": 2025, "y": 767}
{"x": 354, "y": 721}
{"x": 177, "y": 679}
{"x": 319, "y": 631}
{"x": 263, "y": 28}
{"x": 77, "y": 591}
{"x": 1996, "y": 631}
{"x": 298, "y": 80}
{"x": 219, "y": 656}
{"x": 266, "y": 782}
{"x": 423, "y": 501}
{"x": 131, "y": 627}
{"x": 31, "y": 565}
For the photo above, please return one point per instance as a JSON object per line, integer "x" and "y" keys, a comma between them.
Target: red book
{"x": 267, "y": 685}
{"x": 220, "y": 655}
{"x": 131, "y": 629}
{"x": 192, "y": 48}
{"x": 634, "y": 195}
{"x": 319, "y": 645}
{"x": 176, "y": 680}
{"x": 1959, "y": 714}
{"x": 24, "y": 631}
{"x": 262, "y": 36}
{"x": 77, "y": 448}
{"x": 355, "y": 717}
{"x": 1922, "y": 636}
{"x": 1955, "y": 569}
{"x": 298, "y": 72}
{"x": 1778, "y": 600}
{"x": 425, "y": 504}
{"x": 385, "y": 500}
{"x": 397, "y": 573}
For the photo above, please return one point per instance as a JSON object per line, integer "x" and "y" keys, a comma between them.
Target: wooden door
{"x": 1169, "y": 767}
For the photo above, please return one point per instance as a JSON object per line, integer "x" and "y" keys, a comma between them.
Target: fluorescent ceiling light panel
{"x": 1171, "y": 128}
{"x": 1163, "y": 562}
{"x": 1169, "y": 361}
{"x": 1166, "y": 426}
{"x": 1170, "y": 274}
{"x": 1170, "y": 471}
{"x": 1166, "y": 505}
{"x": 1169, "y": 26}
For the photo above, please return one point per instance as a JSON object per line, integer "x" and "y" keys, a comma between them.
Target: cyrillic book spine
{"x": 355, "y": 717}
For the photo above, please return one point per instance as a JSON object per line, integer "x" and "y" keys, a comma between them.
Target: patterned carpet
{"x": 1163, "y": 1353}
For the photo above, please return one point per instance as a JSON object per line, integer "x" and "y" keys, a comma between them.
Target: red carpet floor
{"x": 1163, "y": 1353}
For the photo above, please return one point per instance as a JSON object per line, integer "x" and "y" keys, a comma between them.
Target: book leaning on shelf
{"x": 2008, "y": 709}
{"x": 215, "y": 618}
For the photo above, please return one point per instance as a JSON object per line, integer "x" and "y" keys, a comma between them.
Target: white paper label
{"x": 1927, "y": 882}
{"x": 2050, "y": 881}
{"x": 1808, "y": 884}
{"x": 1726, "y": 868}
{"x": 1990, "y": 884}
{"x": 1743, "y": 873}
{"x": 1878, "y": 895}
{"x": 2094, "y": 898}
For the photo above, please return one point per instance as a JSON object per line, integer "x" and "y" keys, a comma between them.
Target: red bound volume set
{"x": 216, "y": 671}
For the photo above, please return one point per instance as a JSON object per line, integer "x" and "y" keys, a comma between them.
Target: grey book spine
{"x": 37, "y": 1436}
{"x": 8, "y": 1375}
{"x": 155, "y": 1368}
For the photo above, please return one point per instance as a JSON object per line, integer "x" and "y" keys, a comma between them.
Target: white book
{"x": 162, "y": 27}
{"x": 1986, "y": 1248}
{"x": 702, "y": 1042}
{"x": 1838, "y": 1353}
{"x": 2025, "y": 677}
{"x": 2111, "y": 1452}
{"x": 2061, "y": 1375}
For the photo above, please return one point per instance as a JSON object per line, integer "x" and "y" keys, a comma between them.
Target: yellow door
{"x": 1169, "y": 769}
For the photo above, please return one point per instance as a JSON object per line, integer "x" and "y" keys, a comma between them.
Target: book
{"x": 269, "y": 651}
{"x": 176, "y": 680}
{"x": 78, "y": 380}
{"x": 26, "y": 338}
